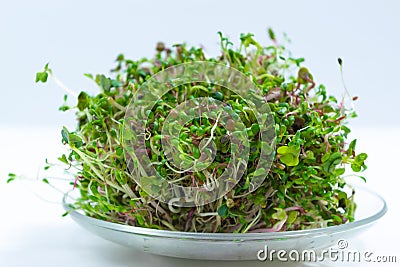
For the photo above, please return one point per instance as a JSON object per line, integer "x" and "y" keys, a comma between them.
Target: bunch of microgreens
{"x": 303, "y": 189}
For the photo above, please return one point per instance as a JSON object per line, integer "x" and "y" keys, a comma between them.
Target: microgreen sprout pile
{"x": 303, "y": 188}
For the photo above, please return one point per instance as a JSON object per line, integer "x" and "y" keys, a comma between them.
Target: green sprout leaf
{"x": 304, "y": 76}
{"x": 63, "y": 159}
{"x": 65, "y": 135}
{"x": 223, "y": 210}
{"x": 289, "y": 155}
{"x": 11, "y": 177}
{"x": 42, "y": 76}
{"x": 83, "y": 101}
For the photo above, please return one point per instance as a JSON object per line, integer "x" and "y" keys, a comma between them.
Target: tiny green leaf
{"x": 339, "y": 171}
{"x": 11, "y": 177}
{"x": 289, "y": 160}
{"x": 283, "y": 150}
{"x": 280, "y": 214}
{"x": 75, "y": 140}
{"x": 65, "y": 135}
{"x": 361, "y": 157}
{"x": 83, "y": 100}
{"x": 362, "y": 178}
{"x": 65, "y": 214}
{"x": 63, "y": 159}
{"x": 271, "y": 34}
{"x": 260, "y": 171}
{"x": 223, "y": 210}
{"x": 292, "y": 216}
{"x": 352, "y": 146}
{"x": 355, "y": 167}
{"x": 41, "y": 76}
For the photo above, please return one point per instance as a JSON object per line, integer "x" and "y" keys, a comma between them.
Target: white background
{"x": 79, "y": 37}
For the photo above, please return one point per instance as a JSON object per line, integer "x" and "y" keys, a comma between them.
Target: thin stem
{"x": 62, "y": 86}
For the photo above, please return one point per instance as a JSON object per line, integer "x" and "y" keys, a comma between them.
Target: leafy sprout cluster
{"x": 305, "y": 187}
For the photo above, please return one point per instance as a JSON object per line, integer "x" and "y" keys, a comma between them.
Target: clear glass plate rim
{"x": 230, "y": 236}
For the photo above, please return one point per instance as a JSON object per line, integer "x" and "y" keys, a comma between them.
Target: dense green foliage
{"x": 304, "y": 188}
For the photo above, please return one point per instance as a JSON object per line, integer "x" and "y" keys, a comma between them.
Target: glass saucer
{"x": 223, "y": 246}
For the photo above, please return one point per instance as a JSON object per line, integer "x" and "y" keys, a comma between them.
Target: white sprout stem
{"x": 177, "y": 171}
{"x": 208, "y": 142}
{"x": 347, "y": 93}
{"x": 253, "y": 222}
{"x": 212, "y": 130}
{"x": 210, "y": 185}
{"x": 181, "y": 179}
{"x": 171, "y": 207}
{"x": 206, "y": 214}
{"x": 129, "y": 191}
{"x": 108, "y": 199}
{"x": 62, "y": 86}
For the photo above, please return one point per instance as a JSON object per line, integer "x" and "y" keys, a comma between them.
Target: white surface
{"x": 79, "y": 37}
{"x": 33, "y": 232}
